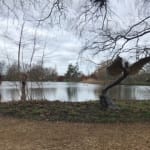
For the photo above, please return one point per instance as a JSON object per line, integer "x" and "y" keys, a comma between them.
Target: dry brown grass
{"x": 92, "y": 81}
{"x": 18, "y": 134}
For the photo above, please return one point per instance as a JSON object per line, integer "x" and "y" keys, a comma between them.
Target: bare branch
{"x": 20, "y": 44}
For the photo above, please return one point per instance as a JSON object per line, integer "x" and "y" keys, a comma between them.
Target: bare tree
{"x": 109, "y": 40}
{"x": 106, "y": 38}
{"x": 41, "y": 13}
{"x": 96, "y": 17}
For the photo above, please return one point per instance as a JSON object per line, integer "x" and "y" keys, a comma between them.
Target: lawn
{"x": 44, "y": 125}
{"x": 22, "y": 134}
{"x": 89, "y": 112}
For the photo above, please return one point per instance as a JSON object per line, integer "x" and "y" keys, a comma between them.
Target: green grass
{"x": 130, "y": 111}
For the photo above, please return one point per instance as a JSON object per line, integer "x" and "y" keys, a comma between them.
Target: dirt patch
{"x": 18, "y": 134}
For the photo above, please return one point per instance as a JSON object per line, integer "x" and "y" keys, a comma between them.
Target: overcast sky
{"x": 59, "y": 44}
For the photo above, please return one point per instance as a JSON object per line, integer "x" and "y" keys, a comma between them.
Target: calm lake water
{"x": 64, "y": 91}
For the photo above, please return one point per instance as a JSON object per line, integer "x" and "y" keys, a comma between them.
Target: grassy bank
{"x": 130, "y": 111}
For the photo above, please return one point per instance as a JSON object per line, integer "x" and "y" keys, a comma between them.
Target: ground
{"x": 21, "y": 134}
{"x": 44, "y": 125}
{"x": 89, "y": 112}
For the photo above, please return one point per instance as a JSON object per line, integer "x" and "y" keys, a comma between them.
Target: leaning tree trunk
{"x": 129, "y": 70}
{"x": 105, "y": 101}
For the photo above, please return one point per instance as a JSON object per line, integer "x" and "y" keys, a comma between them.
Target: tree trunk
{"x": 105, "y": 101}
{"x": 23, "y": 93}
{"x": 23, "y": 86}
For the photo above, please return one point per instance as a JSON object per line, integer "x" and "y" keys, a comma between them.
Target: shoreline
{"x": 104, "y": 83}
{"x": 87, "y": 112}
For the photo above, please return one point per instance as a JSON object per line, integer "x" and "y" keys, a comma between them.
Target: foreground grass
{"x": 130, "y": 111}
{"x": 21, "y": 134}
{"x": 23, "y": 126}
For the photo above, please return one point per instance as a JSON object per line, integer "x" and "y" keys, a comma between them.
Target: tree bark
{"x": 116, "y": 82}
{"x": 104, "y": 100}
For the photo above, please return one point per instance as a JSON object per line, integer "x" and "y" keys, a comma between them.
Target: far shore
{"x": 94, "y": 81}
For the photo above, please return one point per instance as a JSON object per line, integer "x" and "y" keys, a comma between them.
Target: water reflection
{"x": 70, "y": 91}
{"x": 123, "y": 92}
{"x": 12, "y": 94}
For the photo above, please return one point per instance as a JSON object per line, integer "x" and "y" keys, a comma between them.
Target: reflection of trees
{"x": 122, "y": 92}
{"x": 35, "y": 91}
{"x": 36, "y": 94}
{"x": 39, "y": 92}
{"x": 50, "y": 93}
{"x": 10, "y": 91}
{"x": 72, "y": 93}
{"x": 98, "y": 90}
{"x": 13, "y": 94}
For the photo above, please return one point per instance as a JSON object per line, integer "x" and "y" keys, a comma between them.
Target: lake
{"x": 69, "y": 91}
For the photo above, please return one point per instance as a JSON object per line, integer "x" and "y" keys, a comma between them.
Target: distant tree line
{"x": 37, "y": 72}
